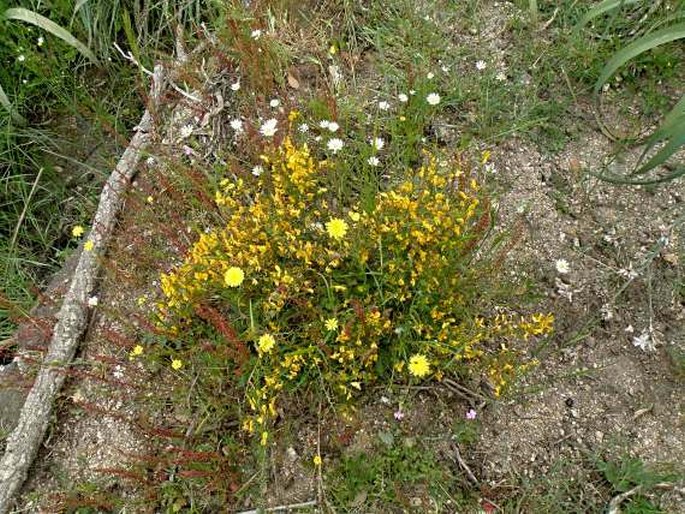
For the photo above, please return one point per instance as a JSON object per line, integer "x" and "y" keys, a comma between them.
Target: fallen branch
{"x": 25, "y": 440}
{"x": 282, "y": 508}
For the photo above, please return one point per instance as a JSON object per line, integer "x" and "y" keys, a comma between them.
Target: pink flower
{"x": 399, "y": 414}
{"x": 471, "y": 414}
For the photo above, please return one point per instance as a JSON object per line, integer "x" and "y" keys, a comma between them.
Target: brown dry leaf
{"x": 671, "y": 258}
{"x": 293, "y": 82}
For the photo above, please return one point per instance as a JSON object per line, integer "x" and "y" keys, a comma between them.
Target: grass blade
{"x": 5, "y": 102}
{"x": 673, "y": 119}
{"x": 645, "y": 43}
{"x": 28, "y": 16}
{"x": 676, "y": 139}
{"x": 620, "y": 180}
{"x": 603, "y": 8}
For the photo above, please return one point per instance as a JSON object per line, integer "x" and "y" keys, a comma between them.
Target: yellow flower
{"x": 485, "y": 157}
{"x": 331, "y": 324}
{"x": 337, "y": 228}
{"x": 265, "y": 438}
{"x": 77, "y": 231}
{"x": 88, "y": 245}
{"x": 137, "y": 350}
{"x": 419, "y": 365}
{"x": 234, "y": 276}
{"x": 176, "y": 364}
{"x": 266, "y": 343}
{"x": 149, "y": 199}
{"x": 354, "y": 216}
{"x": 317, "y": 460}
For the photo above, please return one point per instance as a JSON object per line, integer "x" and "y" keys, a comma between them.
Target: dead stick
{"x": 311, "y": 503}
{"x": 463, "y": 464}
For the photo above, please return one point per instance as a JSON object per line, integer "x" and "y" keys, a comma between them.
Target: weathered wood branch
{"x": 25, "y": 440}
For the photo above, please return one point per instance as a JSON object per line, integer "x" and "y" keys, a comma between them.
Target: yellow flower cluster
{"x": 345, "y": 294}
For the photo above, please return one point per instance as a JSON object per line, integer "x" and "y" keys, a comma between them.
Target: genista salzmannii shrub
{"x": 300, "y": 289}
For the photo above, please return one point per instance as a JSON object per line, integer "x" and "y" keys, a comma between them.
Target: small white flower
{"x": 118, "y": 372}
{"x": 304, "y": 128}
{"x": 403, "y": 98}
{"x": 430, "y": 75}
{"x": 275, "y": 103}
{"x": 93, "y": 301}
{"x": 644, "y": 342}
{"x": 150, "y": 161}
{"x": 629, "y": 329}
{"x": 628, "y": 272}
{"x": 256, "y": 34}
{"x": 268, "y": 128}
{"x": 324, "y": 124}
{"x": 335, "y": 145}
{"x": 237, "y": 125}
{"x": 501, "y": 77}
{"x": 412, "y": 92}
{"x": 433, "y": 99}
{"x": 383, "y": 105}
{"x": 317, "y": 138}
{"x": 606, "y": 312}
{"x": 373, "y": 161}
{"x": 490, "y": 168}
{"x": 481, "y": 65}
{"x": 236, "y": 85}
{"x": 333, "y": 126}
{"x": 21, "y": 58}
{"x": 186, "y": 131}
{"x": 445, "y": 68}
{"x": 378, "y": 143}
{"x": 562, "y": 266}
{"x": 257, "y": 170}
{"x": 41, "y": 40}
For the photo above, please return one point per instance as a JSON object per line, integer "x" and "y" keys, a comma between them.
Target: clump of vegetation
{"x": 301, "y": 290}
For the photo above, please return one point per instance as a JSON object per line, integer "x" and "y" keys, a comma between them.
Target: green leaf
{"x": 28, "y": 16}
{"x": 643, "y": 44}
{"x": 5, "y": 102}
{"x": 675, "y": 140}
{"x": 130, "y": 35}
{"x": 603, "y": 8}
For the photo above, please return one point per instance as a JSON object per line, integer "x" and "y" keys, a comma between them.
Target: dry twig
{"x": 281, "y": 508}
{"x": 463, "y": 464}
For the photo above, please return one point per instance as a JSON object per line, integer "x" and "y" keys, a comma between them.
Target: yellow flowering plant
{"x": 303, "y": 289}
